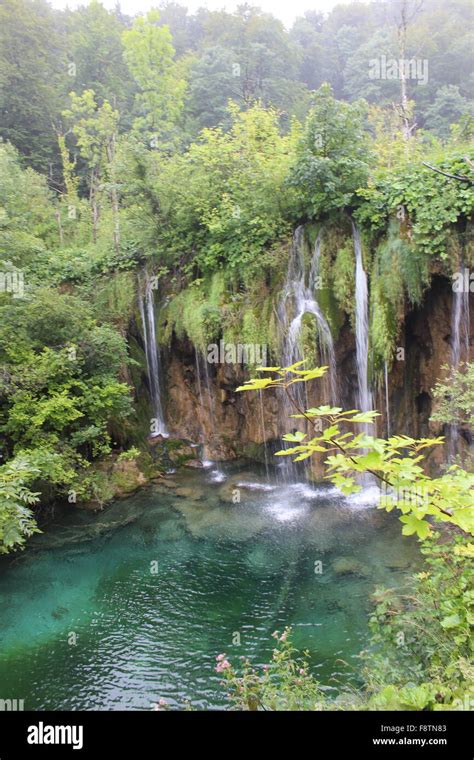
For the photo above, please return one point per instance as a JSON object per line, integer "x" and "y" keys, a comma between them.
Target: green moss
{"x": 343, "y": 278}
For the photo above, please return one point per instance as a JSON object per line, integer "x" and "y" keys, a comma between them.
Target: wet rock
{"x": 155, "y": 440}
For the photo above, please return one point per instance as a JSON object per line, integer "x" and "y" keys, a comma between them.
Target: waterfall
{"x": 146, "y": 303}
{"x": 216, "y": 472}
{"x": 387, "y": 402}
{"x": 262, "y": 420}
{"x": 364, "y": 396}
{"x": 460, "y": 339}
{"x": 299, "y": 298}
{"x": 460, "y": 327}
{"x": 304, "y": 301}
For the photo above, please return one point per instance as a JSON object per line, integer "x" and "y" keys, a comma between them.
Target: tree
{"x": 27, "y": 222}
{"x": 32, "y": 80}
{"x": 95, "y": 55}
{"x": 332, "y": 157}
{"x": 449, "y": 107}
{"x": 149, "y": 54}
{"x": 405, "y": 12}
{"x": 95, "y": 129}
{"x": 17, "y": 523}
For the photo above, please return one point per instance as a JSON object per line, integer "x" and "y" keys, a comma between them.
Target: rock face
{"x": 206, "y": 409}
{"x": 427, "y": 341}
{"x": 230, "y": 424}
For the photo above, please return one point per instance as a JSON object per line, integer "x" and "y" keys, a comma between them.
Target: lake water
{"x": 154, "y": 587}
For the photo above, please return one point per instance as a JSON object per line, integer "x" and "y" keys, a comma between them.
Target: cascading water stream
{"x": 460, "y": 327}
{"x": 305, "y": 302}
{"x": 387, "y": 399}
{"x": 262, "y": 420}
{"x": 299, "y": 298}
{"x": 460, "y": 333}
{"x": 146, "y": 303}
{"x": 364, "y": 395}
{"x": 217, "y": 473}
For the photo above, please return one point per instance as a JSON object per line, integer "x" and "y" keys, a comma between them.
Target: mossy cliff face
{"x": 410, "y": 324}
{"x": 232, "y": 424}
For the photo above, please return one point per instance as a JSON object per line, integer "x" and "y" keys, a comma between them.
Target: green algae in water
{"x": 120, "y": 609}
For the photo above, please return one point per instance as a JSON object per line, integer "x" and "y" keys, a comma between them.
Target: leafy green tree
{"x": 419, "y": 656}
{"x": 95, "y": 129}
{"x": 27, "y": 215}
{"x": 449, "y": 107}
{"x": 245, "y": 56}
{"x": 420, "y": 649}
{"x": 95, "y": 55}
{"x": 212, "y": 84}
{"x": 149, "y": 54}
{"x": 226, "y": 198}
{"x": 332, "y": 157}
{"x": 32, "y": 80}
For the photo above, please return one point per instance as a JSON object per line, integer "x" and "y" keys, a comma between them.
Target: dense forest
{"x": 159, "y": 177}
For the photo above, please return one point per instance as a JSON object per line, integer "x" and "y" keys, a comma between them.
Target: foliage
{"x": 27, "y": 224}
{"x": 32, "y": 80}
{"x": 225, "y": 199}
{"x": 421, "y": 643}
{"x": 332, "y": 156}
{"x": 16, "y": 501}
{"x": 419, "y": 655}
{"x": 342, "y": 273}
{"x": 149, "y": 52}
{"x": 30, "y": 468}
{"x": 425, "y": 200}
{"x": 284, "y": 684}
{"x": 128, "y": 456}
{"x": 454, "y": 397}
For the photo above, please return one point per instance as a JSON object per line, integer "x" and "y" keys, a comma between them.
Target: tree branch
{"x": 446, "y": 174}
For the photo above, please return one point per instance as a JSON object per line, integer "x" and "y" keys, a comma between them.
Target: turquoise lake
{"x": 153, "y": 588}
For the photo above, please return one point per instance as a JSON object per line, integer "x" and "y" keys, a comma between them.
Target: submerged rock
{"x": 190, "y": 493}
{"x": 243, "y": 481}
{"x": 398, "y": 562}
{"x": 211, "y": 522}
{"x": 348, "y": 566}
{"x": 168, "y": 483}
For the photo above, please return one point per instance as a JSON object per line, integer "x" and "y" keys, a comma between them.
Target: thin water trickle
{"x": 387, "y": 401}
{"x": 212, "y": 416}
{"x": 460, "y": 345}
{"x": 364, "y": 395}
{"x": 460, "y": 327}
{"x": 264, "y": 438}
{"x": 146, "y": 304}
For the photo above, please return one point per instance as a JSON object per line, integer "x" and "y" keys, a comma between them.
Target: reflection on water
{"x": 153, "y": 588}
